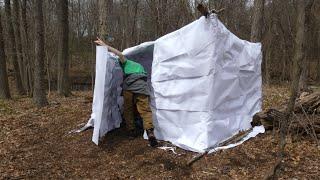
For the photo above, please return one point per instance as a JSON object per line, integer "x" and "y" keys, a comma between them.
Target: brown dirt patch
{"x": 34, "y": 144}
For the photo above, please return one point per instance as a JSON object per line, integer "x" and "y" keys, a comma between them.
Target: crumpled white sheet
{"x": 254, "y": 132}
{"x": 206, "y": 86}
{"x": 172, "y": 149}
{"x": 107, "y": 99}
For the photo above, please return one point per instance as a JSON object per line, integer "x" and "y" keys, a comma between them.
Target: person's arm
{"x": 111, "y": 49}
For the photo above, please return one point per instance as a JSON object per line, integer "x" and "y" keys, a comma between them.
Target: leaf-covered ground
{"x": 34, "y": 143}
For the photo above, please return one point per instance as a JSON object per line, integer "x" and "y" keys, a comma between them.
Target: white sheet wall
{"x": 107, "y": 99}
{"x": 206, "y": 86}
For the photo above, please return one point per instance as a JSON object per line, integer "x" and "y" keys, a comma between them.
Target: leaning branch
{"x": 234, "y": 139}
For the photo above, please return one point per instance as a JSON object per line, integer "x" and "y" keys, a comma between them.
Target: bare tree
{"x": 105, "y": 9}
{"x": 26, "y": 47}
{"x": 4, "y": 86}
{"x": 298, "y": 61}
{"x": 39, "y": 94}
{"x": 308, "y": 38}
{"x": 18, "y": 41}
{"x": 13, "y": 49}
{"x": 268, "y": 40}
{"x": 256, "y": 28}
{"x": 133, "y": 22}
{"x": 316, "y": 14}
{"x": 63, "y": 48}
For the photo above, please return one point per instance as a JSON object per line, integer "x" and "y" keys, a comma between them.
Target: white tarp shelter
{"x": 205, "y": 84}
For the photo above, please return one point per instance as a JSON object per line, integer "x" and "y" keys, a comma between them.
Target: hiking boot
{"x": 151, "y": 138}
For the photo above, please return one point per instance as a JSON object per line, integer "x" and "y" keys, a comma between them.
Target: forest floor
{"x": 34, "y": 143}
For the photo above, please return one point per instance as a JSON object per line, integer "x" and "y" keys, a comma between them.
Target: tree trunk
{"x": 102, "y": 18}
{"x": 318, "y": 44}
{"x": 39, "y": 94}
{"x": 134, "y": 24}
{"x": 63, "y": 51}
{"x": 12, "y": 48}
{"x": 308, "y": 38}
{"x": 316, "y": 14}
{"x": 256, "y": 28}
{"x": 297, "y": 69}
{"x": 318, "y": 63}
{"x": 25, "y": 48}
{"x": 4, "y": 86}
{"x": 268, "y": 39}
{"x": 105, "y": 8}
{"x": 303, "y": 77}
{"x": 256, "y": 33}
{"x": 18, "y": 40}
{"x": 268, "y": 52}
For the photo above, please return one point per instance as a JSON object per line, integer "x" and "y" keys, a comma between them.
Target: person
{"x": 135, "y": 93}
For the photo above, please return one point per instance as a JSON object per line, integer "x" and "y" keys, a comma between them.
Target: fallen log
{"x": 271, "y": 118}
{"x": 308, "y": 104}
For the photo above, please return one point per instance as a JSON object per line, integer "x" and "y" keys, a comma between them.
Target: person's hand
{"x": 100, "y": 42}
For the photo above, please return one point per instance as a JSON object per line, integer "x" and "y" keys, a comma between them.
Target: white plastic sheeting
{"x": 206, "y": 85}
{"x": 107, "y": 99}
